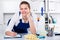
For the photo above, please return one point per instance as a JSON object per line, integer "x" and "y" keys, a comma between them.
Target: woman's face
{"x": 24, "y": 9}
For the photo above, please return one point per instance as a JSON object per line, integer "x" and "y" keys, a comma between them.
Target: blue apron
{"x": 21, "y": 27}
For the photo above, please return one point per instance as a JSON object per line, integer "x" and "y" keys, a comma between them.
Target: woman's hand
{"x": 10, "y": 33}
{"x": 28, "y": 15}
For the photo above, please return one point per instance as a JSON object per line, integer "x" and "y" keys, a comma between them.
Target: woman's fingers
{"x": 11, "y": 33}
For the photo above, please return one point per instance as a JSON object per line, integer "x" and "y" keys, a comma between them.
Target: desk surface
{"x": 46, "y": 38}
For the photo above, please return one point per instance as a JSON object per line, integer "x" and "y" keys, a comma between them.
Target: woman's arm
{"x": 31, "y": 23}
{"x": 10, "y": 26}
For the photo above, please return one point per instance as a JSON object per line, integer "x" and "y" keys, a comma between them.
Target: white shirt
{"x": 14, "y": 21}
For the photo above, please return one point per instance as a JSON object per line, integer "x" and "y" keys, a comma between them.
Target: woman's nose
{"x": 23, "y": 10}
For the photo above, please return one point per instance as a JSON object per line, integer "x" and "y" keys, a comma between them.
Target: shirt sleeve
{"x": 12, "y": 23}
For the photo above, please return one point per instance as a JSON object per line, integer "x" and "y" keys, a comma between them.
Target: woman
{"x": 20, "y": 23}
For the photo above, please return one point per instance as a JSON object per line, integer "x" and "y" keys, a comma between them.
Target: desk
{"x": 46, "y": 38}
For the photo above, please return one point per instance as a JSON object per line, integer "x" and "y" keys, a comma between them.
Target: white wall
{"x": 54, "y": 6}
{"x": 1, "y": 13}
{"x": 8, "y": 6}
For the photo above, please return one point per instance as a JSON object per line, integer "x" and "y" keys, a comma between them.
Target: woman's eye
{"x": 21, "y": 9}
{"x": 25, "y": 8}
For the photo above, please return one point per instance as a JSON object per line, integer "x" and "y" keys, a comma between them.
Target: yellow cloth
{"x": 31, "y": 37}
